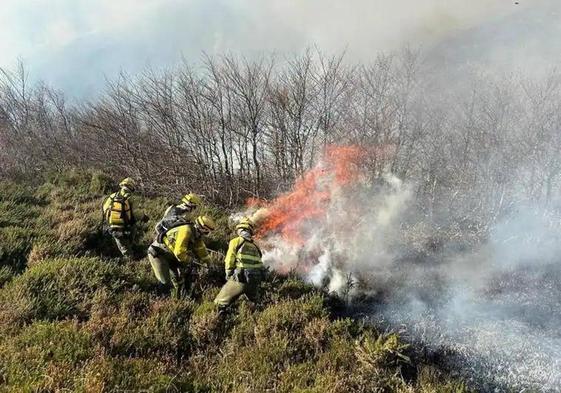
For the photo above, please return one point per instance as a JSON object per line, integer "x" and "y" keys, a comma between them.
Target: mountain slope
{"x": 72, "y": 318}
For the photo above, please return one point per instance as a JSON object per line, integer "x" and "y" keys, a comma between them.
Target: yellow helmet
{"x": 205, "y": 224}
{"x": 245, "y": 223}
{"x": 128, "y": 183}
{"x": 191, "y": 199}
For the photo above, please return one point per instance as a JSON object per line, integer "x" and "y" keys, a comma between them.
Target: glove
{"x": 229, "y": 273}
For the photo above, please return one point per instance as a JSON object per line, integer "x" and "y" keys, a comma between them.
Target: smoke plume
{"x": 76, "y": 45}
{"x": 490, "y": 304}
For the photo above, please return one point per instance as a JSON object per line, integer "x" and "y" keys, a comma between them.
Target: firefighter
{"x": 177, "y": 214}
{"x": 172, "y": 257}
{"x": 243, "y": 265}
{"x": 120, "y": 217}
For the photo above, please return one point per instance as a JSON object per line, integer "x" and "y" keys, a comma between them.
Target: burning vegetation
{"x": 359, "y": 235}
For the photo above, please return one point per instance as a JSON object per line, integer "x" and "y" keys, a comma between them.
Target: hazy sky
{"x": 75, "y": 44}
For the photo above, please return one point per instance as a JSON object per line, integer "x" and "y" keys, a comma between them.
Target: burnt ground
{"x": 501, "y": 338}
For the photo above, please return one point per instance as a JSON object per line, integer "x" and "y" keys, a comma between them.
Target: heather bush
{"x": 291, "y": 288}
{"x": 43, "y": 356}
{"x": 60, "y": 288}
{"x": 72, "y": 318}
{"x": 18, "y": 193}
{"x": 140, "y": 325}
{"x": 15, "y": 244}
{"x": 115, "y": 374}
{"x": 6, "y": 274}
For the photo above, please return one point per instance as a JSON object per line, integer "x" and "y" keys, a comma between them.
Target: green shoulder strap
{"x": 244, "y": 240}
{"x": 176, "y": 224}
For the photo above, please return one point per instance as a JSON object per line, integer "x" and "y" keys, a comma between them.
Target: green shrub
{"x": 101, "y": 184}
{"x": 154, "y": 208}
{"x": 340, "y": 355}
{"x": 6, "y": 274}
{"x": 142, "y": 275}
{"x": 60, "y": 288}
{"x": 44, "y": 355}
{"x": 290, "y": 288}
{"x": 261, "y": 345}
{"x": 432, "y": 380}
{"x": 165, "y": 330}
{"x": 289, "y": 316}
{"x": 346, "y": 328}
{"x": 254, "y": 368}
{"x": 81, "y": 231}
{"x": 382, "y": 351}
{"x": 74, "y": 180}
{"x": 210, "y": 291}
{"x": 142, "y": 326}
{"x": 17, "y": 193}
{"x": 205, "y": 325}
{"x": 60, "y": 356}
{"x": 298, "y": 377}
{"x": 107, "y": 374}
{"x": 13, "y": 213}
{"x": 45, "y": 248}
{"x": 15, "y": 244}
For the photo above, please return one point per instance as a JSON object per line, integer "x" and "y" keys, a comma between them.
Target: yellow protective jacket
{"x": 182, "y": 241}
{"x": 118, "y": 211}
{"x": 243, "y": 253}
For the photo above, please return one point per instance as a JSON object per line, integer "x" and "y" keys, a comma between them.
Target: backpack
{"x": 170, "y": 220}
{"x": 119, "y": 213}
{"x": 165, "y": 225}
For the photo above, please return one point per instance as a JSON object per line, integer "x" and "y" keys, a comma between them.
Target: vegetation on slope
{"x": 72, "y": 318}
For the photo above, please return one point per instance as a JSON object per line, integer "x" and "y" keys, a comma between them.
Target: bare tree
{"x": 234, "y": 128}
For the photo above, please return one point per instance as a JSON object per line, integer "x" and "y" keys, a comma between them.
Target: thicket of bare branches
{"x": 232, "y": 128}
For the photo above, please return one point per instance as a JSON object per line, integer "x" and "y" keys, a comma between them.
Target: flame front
{"x": 292, "y": 214}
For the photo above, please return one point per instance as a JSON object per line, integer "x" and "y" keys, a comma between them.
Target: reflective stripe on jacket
{"x": 243, "y": 253}
{"x": 183, "y": 240}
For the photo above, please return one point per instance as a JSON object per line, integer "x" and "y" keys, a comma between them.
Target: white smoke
{"x": 76, "y": 45}
{"x": 493, "y": 307}
{"x": 334, "y": 255}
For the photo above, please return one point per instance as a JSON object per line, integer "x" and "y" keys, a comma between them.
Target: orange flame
{"x": 293, "y": 212}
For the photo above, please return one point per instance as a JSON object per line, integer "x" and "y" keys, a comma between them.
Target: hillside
{"x": 72, "y": 318}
